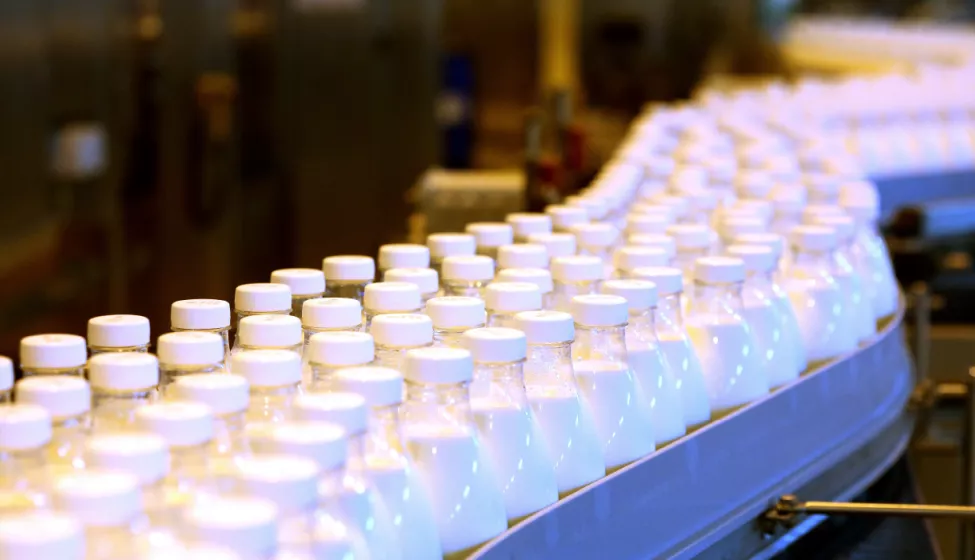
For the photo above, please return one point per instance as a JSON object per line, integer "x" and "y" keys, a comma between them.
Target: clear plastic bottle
{"x": 628, "y": 258}
{"x": 557, "y": 244}
{"x": 787, "y": 204}
{"x": 6, "y": 380}
{"x": 489, "y": 236}
{"x": 184, "y": 353}
{"x": 425, "y": 279}
{"x": 270, "y": 332}
{"x": 541, "y": 277}
{"x": 305, "y": 284}
{"x": 653, "y": 223}
{"x": 359, "y": 504}
{"x": 383, "y": 298}
{"x": 247, "y": 526}
{"x": 62, "y": 538}
{"x": 868, "y": 249}
{"x": 53, "y": 354}
{"x": 208, "y": 315}
{"x": 693, "y": 241}
{"x": 466, "y": 276}
{"x": 386, "y": 464}
{"x": 730, "y": 227}
{"x": 773, "y": 241}
{"x": 25, "y": 431}
{"x": 522, "y": 255}
{"x": 347, "y": 276}
{"x": 451, "y": 316}
{"x": 661, "y": 387}
{"x": 260, "y": 299}
{"x": 331, "y": 352}
{"x": 564, "y": 217}
{"x": 526, "y": 223}
{"x": 573, "y": 276}
{"x": 443, "y": 245}
{"x": 506, "y": 425}
{"x": 118, "y": 333}
{"x": 121, "y": 382}
{"x": 67, "y": 400}
{"x": 503, "y": 300}
{"x": 108, "y": 506}
{"x": 394, "y": 335}
{"x": 441, "y": 438}
{"x": 274, "y": 377}
{"x": 402, "y": 255}
{"x": 621, "y": 413}
{"x": 187, "y": 428}
{"x": 328, "y": 315}
{"x": 565, "y": 422}
{"x": 662, "y": 241}
{"x": 596, "y": 240}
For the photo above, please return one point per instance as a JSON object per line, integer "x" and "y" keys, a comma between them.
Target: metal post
{"x": 921, "y": 296}
{"x": 966, "y": 532}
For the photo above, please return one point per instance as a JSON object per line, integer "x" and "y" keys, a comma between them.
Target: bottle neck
{"x": 296, "y": 348}
{"x": 437, "y": 403}
{"x": 169, "y": 372}
{"x": 643, "y": 323}
{"x": 223, "y": 332}
{"x": 392, "y": 356}
{"x": 116, "y": 409}
{"x": 311, "y": 331}
{"x": 685, "y": 258}
{"x": 189, "y": 467}
{"x": 6, "y": 396}
{"x": 806, "y": 259}
{"x": 298, "y": 302}
{"x": 346, "y": 289}
{"x": 229, "y": 437}
{"x": 78, "y": 371}
{"x": 451, "y": 337}
{"x": 322, "y": 375}
{"x": 502, "y": 382}
{"x": 384, "y": 440}
{"x": 95, "y": 350}
{"x": 606, "y": 344}
{"x": 549, "y": 366}
{"x": 716, "y": 299}
{"x": 464, "y": 288}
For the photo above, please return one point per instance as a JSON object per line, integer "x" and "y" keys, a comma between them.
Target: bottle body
{"x": 65, "y": 452}
{"x": 114, "y": 410}
{"x": 820, "y": 308}
{"x": 78, "y": 371}
{"x": 271, "y": 404}
{"x": 675, "y": 345}
{"x": 775, "y": 328}
{"x": 655, "y": 378}
{"x": 852, "y": 285}
{"x": 169, "y": 372}
{"x": 871, "y": 257}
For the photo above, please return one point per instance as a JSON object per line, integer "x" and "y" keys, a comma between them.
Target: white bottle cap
{"x": 269, "y": 331}
{"x": 557, "y": 244}
{"x": 639, "y": 294}
{"x": 224, "y": 393}
{"x": 118, "y": 331}
{"x": 773, "y": 241}
{"x": 595, "y": 207}
{"x": 491, "y": 234}
{"x": 380, "y": 386}
{"x": 690, "y": 236}
{"x": 6, "y": 373}
{"x": 813, "y": 238}
{"x": 541, "y": 277}
{"x": 341, "y": 349}
{"x": 325, "y": 443}
{"x": 62, "y": 396}
{"x": 474, "y": 268}
{"x": 403, "y": 330}
{"x": 648, "y": 223}
{"x": 263, "y": 298}
{"x": 180, "y": 423}
{"x": 844, "y": 225}
{"x": 60, "y": 536}
{"x": 669, "y": 280}
{"x": 200, "y": 314}
{"x": 595, "y": 235}
{"x": 189, "y": 348}
{"x": 495, "y": 345}
{"x": 456, "y": 312}
{"x": 290, "y": 482}
{"x": 512, "y": 297}
{"x": 635, "y": 256}
{"x": 144, "y": 456}
{"x": 732, "y": 227}
{"x": 52, "y": 351}
{"x": 444, "y": 245}
{"x": 526, "y": 223}
{"x": 403, "y": 255}
{"x": 599, "y": 310}
{"x": 438, "y": 365}
{"x": 665, "y": 242}
{"x": 301, "y": 281}
{"x": 123, "y": 371}
{"x": 425, "y": 279}
{"x": 98, "y": 498}
{"x": 392, "y": 297}
{"x": 546, "y": 327}
{"x": 564, "y": 217}
{"x": 757, "y": 258}
{"x": 246, "y": 525}
{"x": 267, "y": 368}
{"x": 522, "y": 255}
{"x": 577, "y": 268}
{"x": 23, "y": 427}
{"x": 347, "y": 410}
{"x": 331, "y": 313}
{"x": 349, "y": 268}
{"x": 719, "y": 269}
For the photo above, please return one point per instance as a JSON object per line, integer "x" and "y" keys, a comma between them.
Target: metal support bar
{"x": 966, "y": 533}
{"x": 921, "y": 297}
{"x": 788, "y": 507}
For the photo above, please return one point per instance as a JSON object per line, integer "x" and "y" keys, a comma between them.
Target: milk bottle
{"x": 564, "y": 217}
{"x": 540, "y": 277}
{"x": 269, "y": 332}
{"x": 184, "y": 353}
{"x": 629, "y": 258}
{"x": 53, "y": 354}
{"x": 573, "y": 276}
{"x": 210, "y": 315}
{"x": 557, "y": 244}
{"x": 425, "y": 279}
{"x": 387, "y": 465}
{"x": 67, "y": 400}
{"x": 62, "y": 537}
{"x": 452, "y": 316}
{"x": 261, "y": 299}
{"x": 466, "y": 276}
{"x": 346, "y": 276}
{"x": 106, "y": 504}
{"x": 331, "y": 352}
{"x": 505, "y": 299}
{"x": 441, "y": 438}
{"x": 489, "y": 236}
{"x": 505, "y": 423}
{"x": 722, "y": 339}
{"x": 693, "y": 241}
{"x": 637, "y": 223}
{"x": 383, "y": 298}
{"x": 6, "y": 380}
{"x": 868, "y": 247}
{"x": 819, "y": 303}
{"x": 526, "y": 223}
{"x": 622, "y": 415}
{"x": 766, "y": 309}
{"x": 247, "y": 526}
{"x": 653, "y": 373}
{"x": 773, "y": 241}
{"x": 121, "y": 382}
{"x": 395, "y": 335}
{"x": 118, "y": 333}
{"x": 305, "y": 284}
{"x": 522, "y": 255}
{"x": 274, "y": 377}
{"x": 443, "y": 245}
{"x": 402, "y": 255}
{"x": 25, "y": 431}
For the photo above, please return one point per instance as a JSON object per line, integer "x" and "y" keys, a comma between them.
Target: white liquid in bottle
{"x": 868, "y": 249}
{"x": 68, "y": 400}
{"x": 121, "y": 382}
{"x": 118, "y": 333}
{"x": 850, "y": 279}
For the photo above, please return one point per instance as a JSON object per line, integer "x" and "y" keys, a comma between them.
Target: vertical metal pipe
{"x": 966, "y": 531}
{"x": 922, "y": 329}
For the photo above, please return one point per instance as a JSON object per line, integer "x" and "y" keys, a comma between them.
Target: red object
{"x": 575, "y": 148}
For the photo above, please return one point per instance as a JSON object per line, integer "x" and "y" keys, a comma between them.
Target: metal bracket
{"x": 788, "y": 511}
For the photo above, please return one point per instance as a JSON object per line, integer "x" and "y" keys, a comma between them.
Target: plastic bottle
{"x": 52, "y": 354}
{"x": 621, "y": 413}
{"x": 653, "y": 223}
{"x": 573, "y": 276}
{"x": 693, "y": 241}
{"x": 503, "y": 300}
{"x": 522, "y": 255}
{"x": 107, "y": 504}
{"x": 270, "y": 332}
{"x": 466, "y": 276}
{"x": 331, "y": 352}
{"x": 564, "y": 217}
{"x": 868, "y": 249}
{"x": 596, "y": 209}
{"x": 787, "y": 204}
{"x": 701, "y": 206}
{"x": 187, "y": 428}
{"x": 121, "y": 382}
{"x": 6, "y": 380}
{"x": 209, "y": 315}
{"x": 67, "y": 400}
{"x": 328, "y": 315}
{"x": 274, "y": 377}
{"x": 753, "y": 184}
{"x": 596, "y": 240}
{"x": 629, "y": 258}
{"x": 248, "y": 526}
{"x": 260, "y": 299}
{"x": 443, "y": 245}
{"x": 25, "y": 431}
{"x": 489, "y": 236}
{"x": 731, "y": 227}
{"x": 823, "y": 188}
{"x": 425, "y": 279}
{"x": 565, "y": 422}
{"x": 346, "y": 276}
{"x": 61, "y": 539}
{"x": 557, "y": 244}
{"x": 524, "y": 224}
{"x": 305, "y": 284}
{"x": 185, "y": 353}
{"x": 678, "y": 205}
{"x": 676, "y": 345}
{"x": 505, "y": 423}
{"x": 773, "y": 241}
{"x": 661, "y": 241}
{"x": 441, "y": 438}
{"x": 453, "y": 316}
{"x": 540, "y": 277}
{"x": 402, "y": 255}
{"x": 358, "y": 504}
{"x": 118, "y": 333}
{"x": 385, "y": 298}
{"x": 394, "y": 335}
{"x": 653, "y": 373}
